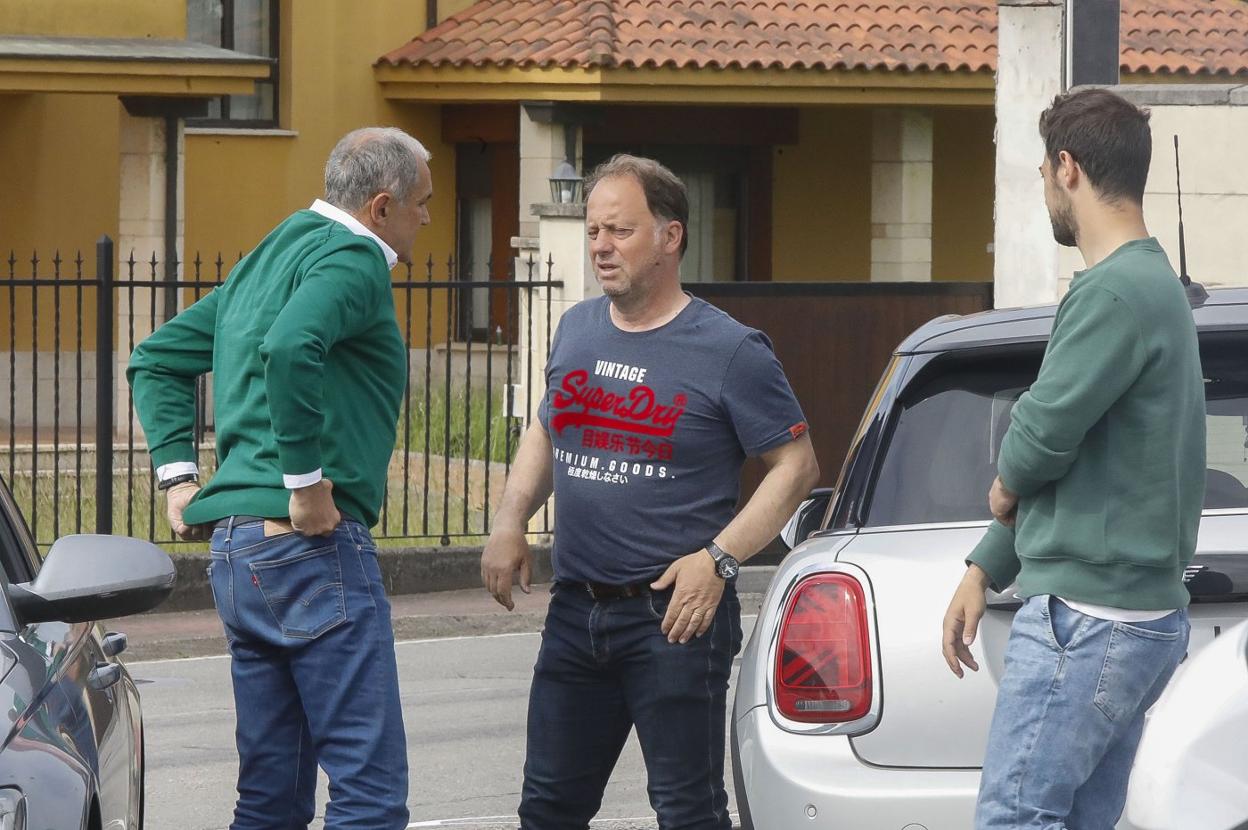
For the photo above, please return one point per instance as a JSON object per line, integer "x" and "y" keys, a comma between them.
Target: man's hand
{"x": 1002, "y": 502}
{"x": 506, "y": 552}
{"x": 962, "y": 619}
{"x": 177, "y": 498}
{"x": 696, "y": 598}
{"x": 312, "y": 510}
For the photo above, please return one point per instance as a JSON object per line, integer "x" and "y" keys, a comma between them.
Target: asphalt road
{"x": 464, "y": 702}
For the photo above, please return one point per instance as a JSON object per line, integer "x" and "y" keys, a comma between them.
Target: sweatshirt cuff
{"x": 302, "y": 480}
{"x": 1014, "y": 479}
{"x": 995, "y": 553}
{"x": 180, "y": 452}
{"x": 176, "y": 468}
{"x": 300, "y": 459}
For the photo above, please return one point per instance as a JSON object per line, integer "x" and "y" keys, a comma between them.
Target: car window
{"x": 941, "y": 455}
{"x": 18, "y": 554}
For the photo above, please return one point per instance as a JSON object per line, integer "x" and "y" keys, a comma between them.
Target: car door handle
{"x": 114, "y": 643}
{"x": 104, "y": 675}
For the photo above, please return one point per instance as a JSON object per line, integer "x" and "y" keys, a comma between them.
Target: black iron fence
{"x": 76, "y": 458}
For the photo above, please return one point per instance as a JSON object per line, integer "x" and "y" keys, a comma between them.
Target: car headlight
{"x": 12, "y": 810}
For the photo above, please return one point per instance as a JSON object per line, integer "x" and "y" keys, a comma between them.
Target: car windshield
{"x": 942, "y": 454}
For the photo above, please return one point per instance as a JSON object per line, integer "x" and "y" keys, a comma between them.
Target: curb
{"x": 410, "y": 571}
{"x": 403, "y": 571}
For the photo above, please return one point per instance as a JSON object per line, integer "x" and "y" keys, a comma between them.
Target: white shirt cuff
{"x": 177, "y": 468}
{"x": 302, "y": 480}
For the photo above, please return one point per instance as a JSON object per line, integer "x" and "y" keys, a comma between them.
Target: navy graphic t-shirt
{"x": 650, "y": 430}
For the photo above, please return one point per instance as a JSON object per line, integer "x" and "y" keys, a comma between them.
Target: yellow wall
{"x": 239, "y": 186}
{"x": 61, "y": 192}
{"x": 821, "y": 198}
{"x": 95, "y": 18}
{"x": 962, "y": 194}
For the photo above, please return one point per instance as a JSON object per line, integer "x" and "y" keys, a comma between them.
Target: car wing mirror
{"x": 807, "y": 518}
{"x": 89, "y": 577}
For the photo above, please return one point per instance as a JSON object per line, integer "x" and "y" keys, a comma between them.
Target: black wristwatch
{"x": 178, "y": 479}
{"x": 726, "y": 565}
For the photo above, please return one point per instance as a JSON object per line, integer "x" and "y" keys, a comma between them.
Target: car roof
{"x": 1226, "y": 308}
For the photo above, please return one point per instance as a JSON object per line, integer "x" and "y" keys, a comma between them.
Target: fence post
{"x": 104, "y": 367}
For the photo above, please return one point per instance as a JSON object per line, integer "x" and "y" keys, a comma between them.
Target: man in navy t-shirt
{"x": 654, "y": 399}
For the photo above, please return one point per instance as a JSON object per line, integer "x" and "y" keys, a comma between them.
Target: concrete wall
{"x": 95, "y": 18}
{"x": 1211, "y": 123}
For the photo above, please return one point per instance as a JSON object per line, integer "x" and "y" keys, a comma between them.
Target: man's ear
{"x": 379, "y": 208}
{"x": 673, "y": 236}
{"x": 1068, "y": 171}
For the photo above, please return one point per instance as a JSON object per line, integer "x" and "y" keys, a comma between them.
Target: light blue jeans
{"x": 1069, "y": 716}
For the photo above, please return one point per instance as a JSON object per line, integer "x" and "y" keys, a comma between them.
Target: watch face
{"x": 728, "y": 567}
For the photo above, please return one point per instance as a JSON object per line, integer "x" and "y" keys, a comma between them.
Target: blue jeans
{"x": 1069, "y": 716}
{"x": 604, "y": 668}
{"x": 315, "y": 680}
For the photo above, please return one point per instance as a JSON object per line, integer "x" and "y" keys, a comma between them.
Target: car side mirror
{"x": 87, "y": 577}
{"x": 807, "y": 518}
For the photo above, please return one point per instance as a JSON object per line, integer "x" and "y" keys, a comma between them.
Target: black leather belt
{"x": 601, "y": 591}
{"x": 240, "y": 520}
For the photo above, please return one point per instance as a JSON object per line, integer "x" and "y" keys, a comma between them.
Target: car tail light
{"x": 823, "y": 659}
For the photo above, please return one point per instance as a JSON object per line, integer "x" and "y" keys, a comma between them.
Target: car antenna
{"x": 1196, "y": 293}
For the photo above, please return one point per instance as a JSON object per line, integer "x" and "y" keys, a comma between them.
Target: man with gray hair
{"x": 308, "y": 370}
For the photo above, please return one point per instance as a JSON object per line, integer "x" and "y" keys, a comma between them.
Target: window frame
{"x": 275, "y": 74}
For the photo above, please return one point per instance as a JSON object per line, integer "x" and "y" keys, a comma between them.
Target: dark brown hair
{"x": 666, "y": 196}
{"x": 1106, "y": 135}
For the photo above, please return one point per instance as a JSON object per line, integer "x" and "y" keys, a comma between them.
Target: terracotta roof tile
{"x": 1175, "y": 36}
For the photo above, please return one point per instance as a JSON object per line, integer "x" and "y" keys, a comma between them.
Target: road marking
{"x": 511, "y": 820}
{"x": 397, "y": 643}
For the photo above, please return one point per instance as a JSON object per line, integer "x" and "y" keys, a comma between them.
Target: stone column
{"x": 142, "y": 232}
{"x": 901, "y": 196}
{"x": 1029, "y": 74}
{"x": 559, "y": 253}
{"x": 543, "y": 144}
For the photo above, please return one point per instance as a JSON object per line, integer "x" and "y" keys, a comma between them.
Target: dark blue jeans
{"x": 315, "y": 679}
{"x": 604, "y": 668}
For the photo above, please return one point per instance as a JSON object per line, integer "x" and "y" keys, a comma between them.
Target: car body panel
{"x": 928, "y": 744}
{"x": 67, "y": 744}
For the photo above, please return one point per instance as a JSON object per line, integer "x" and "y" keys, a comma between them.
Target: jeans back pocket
{"x": 303, "y": 591}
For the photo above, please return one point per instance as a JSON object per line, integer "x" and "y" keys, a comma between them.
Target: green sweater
{"x": 308, "y": 370}
{"x": 1107, "y": 449}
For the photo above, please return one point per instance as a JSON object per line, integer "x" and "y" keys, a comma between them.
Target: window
{"x": 248, "y": 26}
{"x": 942, "y": 455}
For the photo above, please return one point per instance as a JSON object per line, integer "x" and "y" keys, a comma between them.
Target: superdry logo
{"x": 635, "y": 411}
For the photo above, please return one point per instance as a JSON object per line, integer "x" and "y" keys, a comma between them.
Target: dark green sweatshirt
{"x": 1106, "y": 450}
{"x": 308, "y": 373}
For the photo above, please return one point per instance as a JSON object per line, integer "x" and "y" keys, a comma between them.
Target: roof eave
{"x": 673, "y": 85}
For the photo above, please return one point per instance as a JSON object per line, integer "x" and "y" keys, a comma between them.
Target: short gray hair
{"x": 373, "y": 160}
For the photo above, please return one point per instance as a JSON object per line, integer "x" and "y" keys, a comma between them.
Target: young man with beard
{"x": 653, "y": 401}
{"x": 1098, "y": 496}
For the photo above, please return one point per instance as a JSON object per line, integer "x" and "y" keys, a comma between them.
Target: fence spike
{"x": 220, "y": 262}
{"x": 12, "y": 262}
{"x": 34, "y": 265}
{"x": 56, "y": 263}
{"x": 130, "y": 263}
{"x": 155, "y": 264}
{"x": 78, "y": 261}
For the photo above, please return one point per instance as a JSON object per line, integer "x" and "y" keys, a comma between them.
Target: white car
{"x": 1191, "y": 772}
{"x": 846, "y": 715}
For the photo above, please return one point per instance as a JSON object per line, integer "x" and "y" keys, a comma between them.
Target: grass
{"x": 458, "y": 424}
{"x": 53, "y": 509}
{"x": 455, "y": 424}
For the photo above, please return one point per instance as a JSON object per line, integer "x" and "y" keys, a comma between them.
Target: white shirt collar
{"x": 355, "y": 226}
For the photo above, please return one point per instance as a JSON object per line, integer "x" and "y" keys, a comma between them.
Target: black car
{"x": 72, "y": 753}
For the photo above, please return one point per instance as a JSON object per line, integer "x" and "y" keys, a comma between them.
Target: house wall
{"x": 238, "y": 186}
{"x": 962, "y": 194}
{"x": 93, "y": 18}
{"x": 822, "y": 197}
